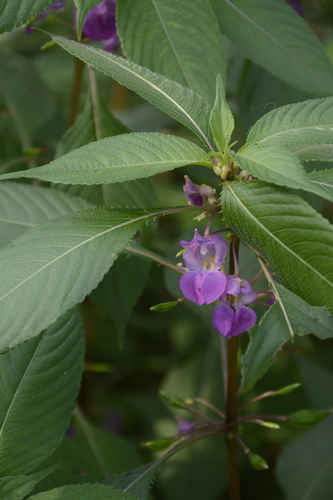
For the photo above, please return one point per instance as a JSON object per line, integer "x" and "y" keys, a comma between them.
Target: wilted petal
{"x": 223, "y": 320}
{"x": 202, "y": 288}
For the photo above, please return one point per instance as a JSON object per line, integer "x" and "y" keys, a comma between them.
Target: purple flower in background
{"x": 58, "y": 6}
{"x": 184, "y": 426}
{"x": 232, "y": 317}
{"x": 204, "y": 256}
{"x": 296, "y": 5}
{"x": 199, "y": 194}
{"x": 100, "y": 25}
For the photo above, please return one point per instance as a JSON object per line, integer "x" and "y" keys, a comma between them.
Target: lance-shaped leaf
{"x": 18, "y": 487}
{"x": 180, "y": 40}
{"x": 83, "y": 7}
{"x": 323, "y": 178}
{"x": 221, "y": 119}
{"x": 180, "y": 103}
{"x": 16, "y": 12}
{"x": 289, "y": 235}
{"x": 55, "y": 265}
{"x": 83, "y": 492}
{"x": 271, "y": 34}
{"x": 290, "y": 312}
{"x": 273, "y": 163}
{"x": 305, "y": 128}
{"x": 23, "y": 206}
{"x": 120, "y": 158}
{"x": 32, "y": 423}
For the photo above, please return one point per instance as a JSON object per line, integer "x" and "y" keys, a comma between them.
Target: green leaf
{"x": 83, "y": 492}
{"x": 119, "y": 158}
{"x": 137, "y": 481}
{"x": 83, "y": 7}
{"x": 32, "y": 422}
{"x": 287, "y": 233}
{"x": 180, "y": 103}
{"x": 324, "y": 178}
{"x": 221, "y": 119}
{"x": 305, "y": 468}
{"x": 95, "y": 122}
{"x": 109, "y": 454}
{"x": 273, "y": 163}
{"x": 18, "y": 487}
{"x": 271, "y": 34}
{"x": 55, "y": 265}
{"x": 289, "y": 314}
{"x": 120, "y": 290}
{"x": 180, "y": 40}
{"x": 16, "y": 12}
{"x": 305, "y": 128}
{"x": 29, "y": 105}
{"x": 23, "y": 206}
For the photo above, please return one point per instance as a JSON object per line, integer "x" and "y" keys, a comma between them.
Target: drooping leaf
{"x": 305, "y": 128}
{"x": 221, "y": 119}
{"x": 32, "y": 422}
{"x": 53, "y": 266}
{"x": 304, "y": 469}
{"x": 120, "y": 289}
{"x": 294, "y": 239}
{"x": 16, "y": 12}
{"x": 83, "y": 492}
{"x": 109, "y": 454}
{"x": 271, "y": 34}
{"x": 23, "y": 206}
{"x": 180, "y": 40}
{"x": 120, "y": 158}
{"x": 289, "y": 314}
{"x": 273, "y": 163}
{"x": 18, "y": 487}
{"x": 180, "y": 103}
{"x": 83, "y": 7}
{"x": 29, "y": 105}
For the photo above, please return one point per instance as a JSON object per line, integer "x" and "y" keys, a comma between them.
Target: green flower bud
{"x": 173, "y": 401}
{"x": 307, "y": 418}
{"x": 287, "y": 389}
{"x": 158, "y": 444}
{"x": 164, "y": 306}
{"x": 257, "y": 461}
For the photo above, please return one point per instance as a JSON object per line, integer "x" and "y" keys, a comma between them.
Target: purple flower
{"x": 204, "y": 256}
{"x": 232, "y": 317}
{"x": 199, "y": 194}
{"x": 100, "y": 24}
{"x": 184, "y": 426}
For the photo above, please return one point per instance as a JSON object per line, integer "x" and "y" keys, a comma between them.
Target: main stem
{"x": 231, "y": 401}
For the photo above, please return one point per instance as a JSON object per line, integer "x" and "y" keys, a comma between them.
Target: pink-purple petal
{"x": 202, "y": 288}
{"x": 223, "y": 320}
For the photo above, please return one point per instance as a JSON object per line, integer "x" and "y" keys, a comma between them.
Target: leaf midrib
{"x": 276, "y": 239}
{"x": 147, "y": 82}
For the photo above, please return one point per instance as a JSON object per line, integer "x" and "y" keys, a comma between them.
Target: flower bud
{"x": 307, "y": 418}
{"x": 173, "y": 401}
{"x": 164, "y": 306}
{"x": 158, "y": 444}
{"x": 287, "y": 389}
{"x": 257, "y": 461}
